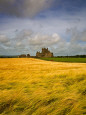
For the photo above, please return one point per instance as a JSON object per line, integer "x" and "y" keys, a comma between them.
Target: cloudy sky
{"x": 26, "y": 26}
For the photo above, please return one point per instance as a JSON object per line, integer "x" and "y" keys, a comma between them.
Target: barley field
{"x": 36, "y": 87}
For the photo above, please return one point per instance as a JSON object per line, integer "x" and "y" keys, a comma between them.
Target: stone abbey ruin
{"x": 45, "y": 53}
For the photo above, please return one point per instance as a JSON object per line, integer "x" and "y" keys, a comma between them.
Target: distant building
{"x": 45, "y": 53}
{"x": 22, "y": 56}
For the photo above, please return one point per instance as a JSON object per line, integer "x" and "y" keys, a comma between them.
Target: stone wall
{"x": 24, "y": 55}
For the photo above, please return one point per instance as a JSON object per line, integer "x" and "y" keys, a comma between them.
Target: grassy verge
{"x": 77, "y": 60}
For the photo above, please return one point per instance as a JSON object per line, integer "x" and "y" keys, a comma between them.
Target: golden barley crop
{"x": 36, "y": 87}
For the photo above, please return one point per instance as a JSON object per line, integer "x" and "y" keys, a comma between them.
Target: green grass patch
{"x": 77, "y": 60}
